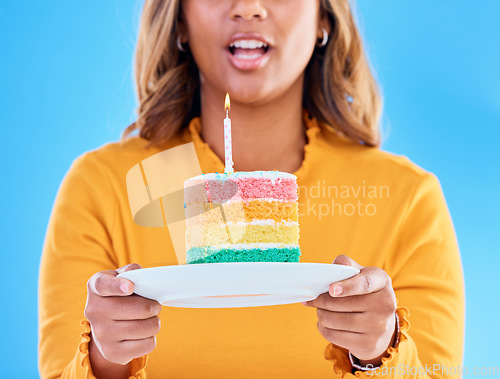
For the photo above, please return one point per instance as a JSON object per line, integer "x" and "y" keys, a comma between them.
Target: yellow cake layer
{"x": 215, "y": 234}
{"x": 234, "y": 211}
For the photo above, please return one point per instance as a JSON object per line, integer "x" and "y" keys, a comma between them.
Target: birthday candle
{"x": 228, "y": 149}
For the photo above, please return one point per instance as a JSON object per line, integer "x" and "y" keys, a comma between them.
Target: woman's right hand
{"x": 123, "y": 325}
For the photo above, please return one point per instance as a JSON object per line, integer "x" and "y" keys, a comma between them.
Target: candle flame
{"x": 227, "y": 103}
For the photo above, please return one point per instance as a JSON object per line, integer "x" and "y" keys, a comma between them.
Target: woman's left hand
{"x": 358, "y": 313}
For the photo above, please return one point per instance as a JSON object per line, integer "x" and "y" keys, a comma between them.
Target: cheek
{"x": 202, "y": 36}
{"x": 297, "y": 52}
{"x": 201, "y": 44}
{"x": 301, "y": 30}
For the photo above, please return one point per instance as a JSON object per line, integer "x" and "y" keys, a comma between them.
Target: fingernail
{"x": 124, "y": 287}
{"x": 337, "y": 290}
{"x": 304, "y": 303}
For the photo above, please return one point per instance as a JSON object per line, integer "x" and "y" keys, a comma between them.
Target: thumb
{"x": 129, "y": 267}
{"x": 346, "y": 261}
{"x": 105, "y": 283}
{"x": 125, "y": 285}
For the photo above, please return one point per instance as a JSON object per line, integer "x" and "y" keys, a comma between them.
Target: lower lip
{"x": 248, "y": 64}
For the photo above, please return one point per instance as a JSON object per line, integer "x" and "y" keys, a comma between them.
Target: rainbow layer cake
{"x": 242, "y": 217}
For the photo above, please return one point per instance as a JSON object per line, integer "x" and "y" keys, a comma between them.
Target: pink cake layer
{"x": 199, "y": 190}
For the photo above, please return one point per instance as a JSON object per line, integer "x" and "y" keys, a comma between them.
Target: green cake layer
{"x": 209, "y": 255}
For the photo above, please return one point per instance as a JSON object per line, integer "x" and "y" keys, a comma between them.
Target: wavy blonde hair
{"x": 339, "y": 89}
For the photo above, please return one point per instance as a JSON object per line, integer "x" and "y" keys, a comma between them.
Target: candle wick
{"x": 227, "y": 113}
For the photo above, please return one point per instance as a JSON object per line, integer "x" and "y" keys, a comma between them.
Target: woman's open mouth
{"x": 248, "y": 54}
{"x": 248, "y": 48}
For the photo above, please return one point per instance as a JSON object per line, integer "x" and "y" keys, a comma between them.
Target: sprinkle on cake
{"x": 242, "y": 217}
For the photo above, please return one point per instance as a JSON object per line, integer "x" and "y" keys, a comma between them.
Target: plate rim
{"x": 175, "y": 298}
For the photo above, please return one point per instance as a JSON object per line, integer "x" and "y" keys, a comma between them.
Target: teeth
{"x": 248, "y": 57}
{"x": 248, "y": 44}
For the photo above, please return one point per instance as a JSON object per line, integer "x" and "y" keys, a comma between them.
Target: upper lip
{"x": 247, "y": 37}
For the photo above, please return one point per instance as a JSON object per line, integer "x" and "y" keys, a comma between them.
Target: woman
{"x": 303, "y": 101}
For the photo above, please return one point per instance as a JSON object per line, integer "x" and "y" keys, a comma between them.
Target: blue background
{"x": 66, "y": 87}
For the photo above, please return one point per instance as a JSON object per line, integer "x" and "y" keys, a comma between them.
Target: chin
{"x": 259, "y": 88}
{"x": 251, "y": 91}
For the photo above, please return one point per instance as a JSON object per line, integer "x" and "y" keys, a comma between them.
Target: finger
{"x": 139, "y": 348}
{"x": 129, "y": 329}
{"x": 346, "y": 321}
{"x": 138, "y": 329}
{"x": 346, "y": 261}
{"x": 369, "y": 280}
{"x": 341, "y": 338}
{"x": 133, "y": 307}
{"x": 339, "y": 304}
{"x": 124, "y": 351}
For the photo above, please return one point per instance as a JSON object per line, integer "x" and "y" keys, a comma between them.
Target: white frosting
{"x": 267, "y": 199}
{"x": 245, "y": 246}
{"x": 273, "y": 175}
{"x": 268, "y": 222}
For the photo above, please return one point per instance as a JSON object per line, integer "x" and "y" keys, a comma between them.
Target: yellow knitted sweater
{"x": 377, "y": 208}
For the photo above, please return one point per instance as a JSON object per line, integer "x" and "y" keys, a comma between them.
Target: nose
{"x": 248, "y": 10}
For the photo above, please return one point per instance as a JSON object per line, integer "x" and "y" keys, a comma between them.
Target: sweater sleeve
{"x": 427, "y": 278}
{"x": 77, "y": 245}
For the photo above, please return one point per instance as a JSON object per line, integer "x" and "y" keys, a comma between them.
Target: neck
{"x": 268, "y": 136}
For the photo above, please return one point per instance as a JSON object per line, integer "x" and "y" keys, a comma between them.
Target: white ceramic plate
{"x": 230, "y": 285}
